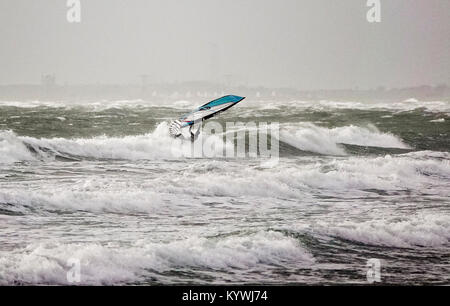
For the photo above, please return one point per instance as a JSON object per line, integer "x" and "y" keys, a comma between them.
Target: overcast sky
{"x": 306, "y": 44}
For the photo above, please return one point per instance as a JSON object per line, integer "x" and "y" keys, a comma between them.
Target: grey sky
{"x": 308, "y": 44}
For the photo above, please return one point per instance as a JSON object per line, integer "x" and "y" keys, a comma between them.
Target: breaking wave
{"x": 47, "y": 263}
{"x": 155, "y": 145}
{"x": 418, "y": 230}
{"x": 99, "y": 105}
{"x": 159, "y": 145}
{"x": 407, "y": 105}
{"x": 353, "y": 176}
{"x": 309, "y": 137}
{"x": 151, "y": 192}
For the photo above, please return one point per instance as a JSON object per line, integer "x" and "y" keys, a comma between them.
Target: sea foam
{"x": 47, "y": 262}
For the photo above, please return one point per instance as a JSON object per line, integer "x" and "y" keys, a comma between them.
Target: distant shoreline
{"x": 200, "y": 90}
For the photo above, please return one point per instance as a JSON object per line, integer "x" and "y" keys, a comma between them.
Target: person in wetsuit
{"x": 175, "y": 130}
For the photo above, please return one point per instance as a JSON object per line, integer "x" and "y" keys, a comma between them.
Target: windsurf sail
{"x": 203, "y": 112}
{"x": 209, "y": 110}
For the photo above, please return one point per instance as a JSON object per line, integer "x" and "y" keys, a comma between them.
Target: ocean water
{"x": 98, "y": 182}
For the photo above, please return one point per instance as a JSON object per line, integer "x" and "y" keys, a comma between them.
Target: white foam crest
{"x": 326, "y": 105}
{"x": 407, "y": 105}
{"x": 155, "y": 145}
{"x": 98, "y": 105}
{"x": 383, "y": 173}
{"x": 418, "y": 230}
{"x": 101, "y": 105}
{"x": 310, "y": 137}
{"x": 12, "y": 149}
{"x": 92, "y": 105}
{"x": 88, "y": 196}
{"x": 345, "y": 177}
{"x": 46, "y": 263}
{"x": 367, "y": 136}
{"x": 146, "y": 196}
{"x": 428, "y": 154}
{"x": 441, "y": 120}
{"x": 348, "y": 176}
{"x": 249, "y": 184}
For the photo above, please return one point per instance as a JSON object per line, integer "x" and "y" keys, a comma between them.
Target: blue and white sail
{"x": 203, "y": 112}
{"x": 209, "y": 110}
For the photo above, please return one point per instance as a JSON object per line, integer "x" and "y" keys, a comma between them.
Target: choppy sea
{"x": 98, "y": 182}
